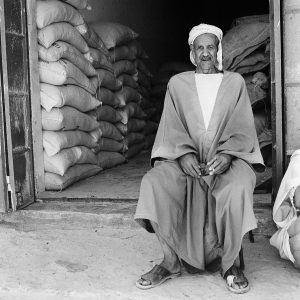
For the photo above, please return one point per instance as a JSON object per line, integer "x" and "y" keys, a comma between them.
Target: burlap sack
{"x": 55, "y": 141}
{"x": 55, "y": 182}
{"x": 131, "y": 110}
{"x": 48, "y": 12}
{"x": 106, "y": 113}
{"x": 114, "y": 34}
{"x": 134, "y": 138}
{"x": 79, "y": 4}
{"x": 62, "y": 32}
{"x": 67, "y": 95}
{"x": 106, "y": 144}
{"x": 137, "y": 50}
{"x": 134, "y": 150}
{"x": 67, "y": 51}
{"x": 108, "y": 80}
{"x": 108, "y": 160}
{"x": 107, "y": 97}
{"x": 67, "y": 118}
{"x": 128, "y": 94}
{"x": 128, "y": 80}
{"x": 100, "y": 60}
{"x": 121, "y": 53}
{"x": 124, "y": 66}
{"x": 64, "y": 72}
{"x": 62, "y": 161}
{"x": 107, "y": 130}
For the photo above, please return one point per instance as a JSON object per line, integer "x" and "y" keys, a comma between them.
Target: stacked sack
{"x": 246, "y": 50}
{"x": 160, "y": 82}
{"x": 68, "y": 88}
{"x": 131, "y": 83}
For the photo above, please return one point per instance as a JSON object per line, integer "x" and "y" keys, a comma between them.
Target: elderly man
{"x": 207, "y": 128}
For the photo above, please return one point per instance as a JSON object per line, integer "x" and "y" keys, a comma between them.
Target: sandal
{"x": 235, "y": 276}
{"x": 155, "y": 277}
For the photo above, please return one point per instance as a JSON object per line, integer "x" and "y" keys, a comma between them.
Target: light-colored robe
{"x": 207, "y": 217}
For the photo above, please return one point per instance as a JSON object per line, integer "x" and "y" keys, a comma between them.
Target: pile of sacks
{"x": 246, "y": 50}
{"x": 129, "y": 68}
{"x": 91, "y": 106}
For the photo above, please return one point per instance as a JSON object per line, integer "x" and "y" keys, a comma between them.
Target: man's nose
{"x": 205, "y": 52}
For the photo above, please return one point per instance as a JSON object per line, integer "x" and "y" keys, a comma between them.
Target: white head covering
{"x": 205, "y": 28}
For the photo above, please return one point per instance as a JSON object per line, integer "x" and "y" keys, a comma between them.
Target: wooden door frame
{"x": 36, "y": 119}
{"x": 276, "y": 94}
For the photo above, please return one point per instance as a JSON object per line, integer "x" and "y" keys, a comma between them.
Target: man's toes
{"x": 145, "y": 282}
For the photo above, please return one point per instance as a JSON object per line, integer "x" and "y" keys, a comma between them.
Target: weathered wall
{"x": 291, "y": 47}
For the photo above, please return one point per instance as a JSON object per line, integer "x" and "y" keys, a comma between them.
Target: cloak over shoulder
{"x": 231, "y": 129}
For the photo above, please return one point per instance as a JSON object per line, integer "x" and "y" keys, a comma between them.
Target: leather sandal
{"x": 155, "y": 277}
{"x": 234, "y": 275}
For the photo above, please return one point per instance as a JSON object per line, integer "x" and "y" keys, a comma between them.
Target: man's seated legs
{"x": 233, "y": 192}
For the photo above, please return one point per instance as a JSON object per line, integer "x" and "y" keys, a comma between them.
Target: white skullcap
{"x": 205, "y": 28}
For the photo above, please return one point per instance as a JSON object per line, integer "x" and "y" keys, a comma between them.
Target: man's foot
{"x": 236, "y": 281}
{"x": 155, "y": 277}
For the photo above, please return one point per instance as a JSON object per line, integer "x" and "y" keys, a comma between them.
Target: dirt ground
{"x": 47, "y": 262}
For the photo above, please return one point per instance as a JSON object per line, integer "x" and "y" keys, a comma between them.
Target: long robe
{"x": 204, "y": 218}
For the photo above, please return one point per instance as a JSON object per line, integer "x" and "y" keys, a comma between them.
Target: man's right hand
{"x": 190, "y": 165}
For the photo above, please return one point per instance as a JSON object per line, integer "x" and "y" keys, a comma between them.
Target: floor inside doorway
{"x": 120, "y": 183}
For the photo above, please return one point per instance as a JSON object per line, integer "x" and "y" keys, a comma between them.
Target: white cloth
{"x": 207, "y": 89}
{"x": 205, "y": 28}
{"x": 289, "y": 183}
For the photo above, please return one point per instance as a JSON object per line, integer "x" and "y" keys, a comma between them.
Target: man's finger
{"x": 196, "y": 168}
{"x": 192, "y": 172}
{"x": 212, "y": 161}
{"x": 214, "y": 165}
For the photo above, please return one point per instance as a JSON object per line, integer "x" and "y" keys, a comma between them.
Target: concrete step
{"x": 99, "y": 214}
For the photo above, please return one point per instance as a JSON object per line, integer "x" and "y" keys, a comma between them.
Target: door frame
{"x": 277, "y": 121}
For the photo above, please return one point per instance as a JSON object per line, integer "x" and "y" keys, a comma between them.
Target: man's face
{"x": 204, "y": 50}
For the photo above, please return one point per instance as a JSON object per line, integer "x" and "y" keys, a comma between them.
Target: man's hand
{"x": 219, "y": 164}
{"x": 189, "y": 165}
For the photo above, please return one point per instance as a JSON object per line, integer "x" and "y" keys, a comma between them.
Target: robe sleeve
{"x": 239, "y": 137}
{"x": 172, "y": 139}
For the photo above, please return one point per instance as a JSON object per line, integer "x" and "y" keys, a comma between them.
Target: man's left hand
{"x": 219, "y": 164}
